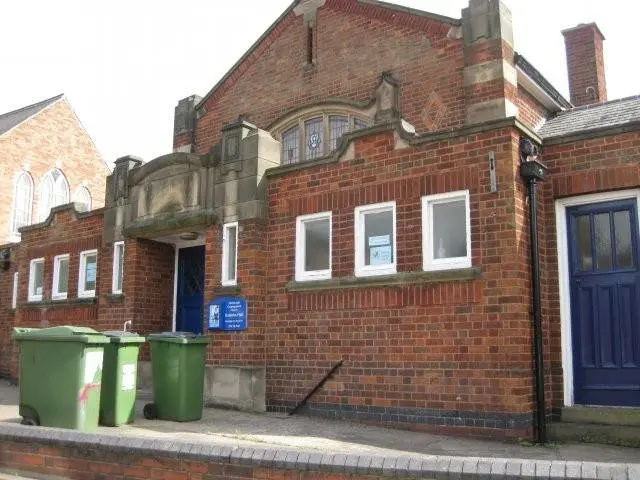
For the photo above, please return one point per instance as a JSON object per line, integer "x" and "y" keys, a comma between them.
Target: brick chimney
{"x": 585, "y": 63}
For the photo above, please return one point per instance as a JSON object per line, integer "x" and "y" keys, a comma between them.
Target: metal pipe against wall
{"x": 541, "y": 427}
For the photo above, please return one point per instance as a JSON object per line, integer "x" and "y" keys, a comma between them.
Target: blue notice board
{"x": 227, "y": 314}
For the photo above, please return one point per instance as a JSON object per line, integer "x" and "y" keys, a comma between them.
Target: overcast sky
{"x": 124, "y": 64}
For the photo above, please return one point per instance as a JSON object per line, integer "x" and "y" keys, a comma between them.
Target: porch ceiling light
{"x": 189, "y": 236}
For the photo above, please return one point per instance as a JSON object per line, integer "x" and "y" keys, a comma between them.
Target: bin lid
{"x": 178, "y": 337}
{"x": 120, "y": 336}
{"x": 64, "y": 333}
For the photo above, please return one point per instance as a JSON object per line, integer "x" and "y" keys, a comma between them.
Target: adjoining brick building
{"x": 46, "y": 159}
{"x": 355, "y": 177}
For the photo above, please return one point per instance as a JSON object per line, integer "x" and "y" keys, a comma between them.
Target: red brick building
{"x": 356, "y": 178}
{"x": 46, "y": 159}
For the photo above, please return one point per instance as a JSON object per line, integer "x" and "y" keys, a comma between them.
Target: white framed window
{"x": 313, "y": 247}
{"x": 82, "y": 199}
{"x": 22, "y": 203}
{"x": 87, "y": 277}
{"x": 53, "y": 191}
{"x": 14, "y": 297}
{"x": 60, "y": 277}
{"x": 375, "y": 239}
{"x": 229, "y": 253}
{"x": 446, "y": 231}
{"x": 36, "y": 279}
{"x": 118, "y": 267}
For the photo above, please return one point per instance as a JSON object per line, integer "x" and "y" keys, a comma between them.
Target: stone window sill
{"x": 114, "y": 297}
{"x": 227, "y": 290}
{"x": 69, "y": 302}
{"x": 395, "y": 280}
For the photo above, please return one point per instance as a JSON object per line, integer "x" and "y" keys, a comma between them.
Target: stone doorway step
{"x": 611, "y": 425}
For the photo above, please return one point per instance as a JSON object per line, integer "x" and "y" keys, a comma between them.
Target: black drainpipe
{"x": 532, "y": 171}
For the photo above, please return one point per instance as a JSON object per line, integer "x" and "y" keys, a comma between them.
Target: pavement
{"x": 229, "y": 428}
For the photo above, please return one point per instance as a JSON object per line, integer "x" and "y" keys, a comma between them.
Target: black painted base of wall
{"x": 421, "y": 416}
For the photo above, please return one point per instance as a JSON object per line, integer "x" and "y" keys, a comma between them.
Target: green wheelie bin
{"x": 60, "y": 376}
{"x": 177, "y": 369}
{"x": 119, "y": 378}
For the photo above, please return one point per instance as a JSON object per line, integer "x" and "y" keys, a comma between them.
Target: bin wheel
{"x": 32, "y": 422}
{"x": 150, "y": 411}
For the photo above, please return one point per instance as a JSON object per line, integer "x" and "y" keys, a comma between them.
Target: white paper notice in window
{"x": 380, "y": 255}
{"x": 380, "y": 240}
{"x": 91, "y": 272}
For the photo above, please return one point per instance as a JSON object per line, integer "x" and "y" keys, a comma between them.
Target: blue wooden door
{"x": 605, "y": 303}
{"x": 190, "y": 294}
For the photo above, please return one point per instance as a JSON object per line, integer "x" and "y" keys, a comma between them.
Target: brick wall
{"x": 7, "y": 313}
{"x": 81, "y": 464}
{"x": 429, "y": 349}
{"x": 530, "y": 111}
{"x": 356, "y": 42}
{"x": 52, "y": 138}
{"x": 148, "y": 287}
{"x": 246, "y": 347}
{"x": 146, "y": 300}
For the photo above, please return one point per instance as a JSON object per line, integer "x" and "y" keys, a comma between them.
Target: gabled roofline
{"x": 247, "y": 54}
{"x": 75, "y": 114}
{"x": 272, "y": 27}
{"x": 45, "y": 105}
{"x": 456, "y": 22}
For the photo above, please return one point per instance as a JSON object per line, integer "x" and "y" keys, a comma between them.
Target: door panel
{"x": 605, "y": 296}
{"x": 190, "y": 292}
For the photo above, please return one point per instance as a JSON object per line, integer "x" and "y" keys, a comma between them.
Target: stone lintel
{"x": 169, "y": 223}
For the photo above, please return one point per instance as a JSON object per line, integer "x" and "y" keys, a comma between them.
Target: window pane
{"x": 290, "y": 146}
{"x": 449, "y": 230}
{"x": 90, "y": 272}
{"x": 358, "y": 124}
{"x": 624, "y": 246}
{"x": 61, "y": 194}
{"x": 583, "y": 242}
{"x": 38, "y": 275}
{"x": 82, "y": 199}
{"x": 314, "y": 136}
{"x": 231, "y": 248}
{"x": 316, "y": 237}
{"x": 604, "y": 254}
{"x": 45, "y": 202}
{"x": 338, "y": 126}
{"x": 378, "y": 238}
{"x": 119, "y": 266}
{"x": 63, "y": 275}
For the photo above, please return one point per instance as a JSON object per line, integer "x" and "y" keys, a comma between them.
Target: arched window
{"x": 53, "y": 191}
{"x": 82, "y": 199}
{"x": 316, "y": 132}
{"x": 22, "y": 202}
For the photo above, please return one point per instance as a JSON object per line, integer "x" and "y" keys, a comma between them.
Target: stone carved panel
{"x": 169, "y": 194}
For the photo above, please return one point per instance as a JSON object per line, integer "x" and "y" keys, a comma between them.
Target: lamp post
{"x": 532, "y": 172}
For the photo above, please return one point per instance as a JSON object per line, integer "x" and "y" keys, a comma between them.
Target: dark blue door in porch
{"x": 190, "y": 298}
{"x": 605, "y": 303}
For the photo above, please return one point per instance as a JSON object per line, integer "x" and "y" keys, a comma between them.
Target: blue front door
{"x": 605, "y": 303}
{"x": 190, "y": 294}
